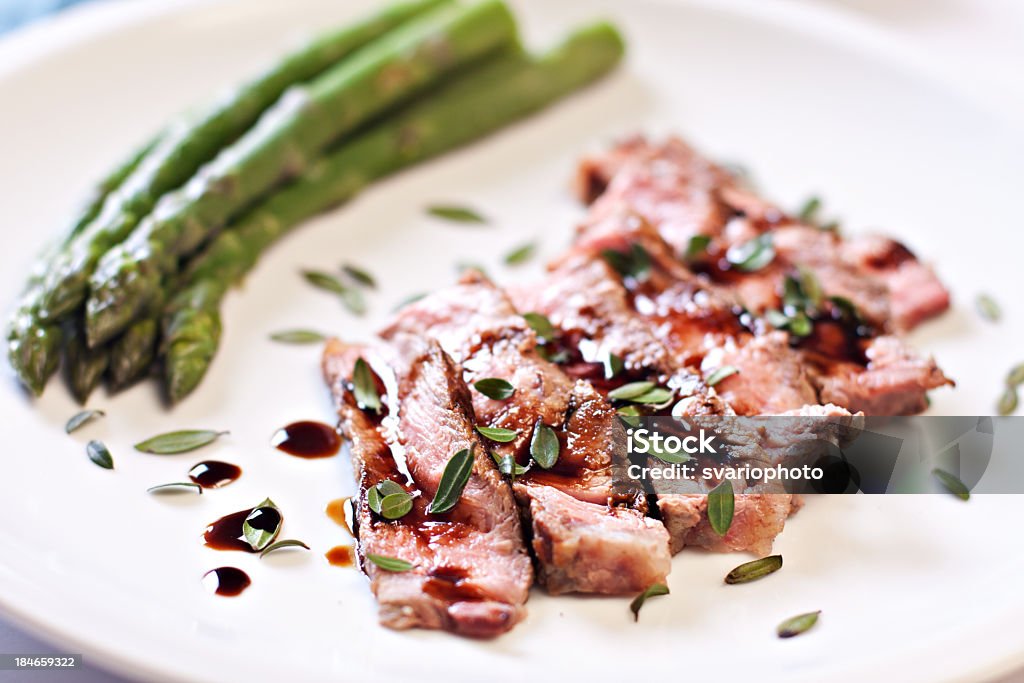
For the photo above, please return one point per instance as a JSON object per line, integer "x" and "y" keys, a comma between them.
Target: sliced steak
{"x": 582, "y": 543}
{"x": 757, "y": 520}
{"x": 471, "y": 572}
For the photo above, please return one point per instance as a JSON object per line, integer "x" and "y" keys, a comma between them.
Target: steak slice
{"x": 471, "y": 573}
{"x": 582, "y": 544}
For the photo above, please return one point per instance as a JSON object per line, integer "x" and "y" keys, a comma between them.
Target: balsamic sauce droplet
{"x": 226, "y": 581}
{"x": 340, "y": 556}
{"x": 226, "y": 532}
{"x": 307, "y": 439}
{"x": 213, "y": 474}
{"x": 338, "y": 512}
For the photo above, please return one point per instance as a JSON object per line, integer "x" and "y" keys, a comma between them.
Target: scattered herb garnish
{"x": 453, "y": 480}
{"x": 627, "y": 392}
{"x": 809, "y": 211}
{"x": 801, "y": 299}
{"x": 952, "y": 483}
{"x": 389, "y": 564}
{"x": 298, "y": 337}
{"x": 351, "y": 298}
{"x": 653, "y": 397}
{"x": 389, "y": 500}
{"x": 754, "y": 570}
{"x": 176, "y": 486}
{"x": 630, "y": 415}
{"x": 988, "y": 308}
{"x": 540, "y": 325}
{"x": 508, "y": 466}
{"x": 358, "y": 275}
{"x": 752, "y": 255}
{"x": 255, "y": 527}
{"x": 99, "y": 454}
{"x": 498, "y": 434}
{"x": 670, "y": 458}
{"x": 495, "y": 388}
{"x": 613, "y": 365}
{"x": 544, "y": 445}
{"x": 521, "y": 254}
{"x": 364, "y": 387}
{"x": 178, "y": 442}
{"x": 636, "y": 263}
{"x": 696, "y": 247}
{"x": 721, "y": 505}
{"x": 794, "y": 626}
{"x": 458, "y": 214}
{"x": 287, "y": 543}
{"x": 1007, "y": 402}
{"x": 79, "y": 420}
{"x": 721, "y": 373}
{"x": 1015, "y": 377}
{"x": 638, "y": 602}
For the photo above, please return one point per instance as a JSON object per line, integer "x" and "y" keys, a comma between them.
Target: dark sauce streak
{"x": 450, "y": 584}
{"x": 226, "y": 581}
{"x": 340, "y": 556}
{"x": 226, "y": 532}
{"x": 307, "y": 439}
{"x": 213, "y": 474}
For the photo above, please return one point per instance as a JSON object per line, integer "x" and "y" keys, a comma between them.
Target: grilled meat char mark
{"x": 684, "y": 194}
{"x": 582, "y": 543}
{"x": 471, "y": 572}
{"x": 845, "y": 364}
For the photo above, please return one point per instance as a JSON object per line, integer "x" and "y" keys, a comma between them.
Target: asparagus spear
{"x": 84, "y": 366}
{"x": 33, "y": 345}
{"x": 133, "y": 352}
{"x": 480, "y": 102}
{"x": 191, "y": 143}
{"x": 283, "y": 144}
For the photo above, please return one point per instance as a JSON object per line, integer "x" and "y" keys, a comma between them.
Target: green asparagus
{"x": 191, "y": 143}
{"x": 84, "y": 366}
{"x": 33, "y": 346}
{"x": 132, "y": 353}
{"x": 282, "y": 145}
{"x": 478, "y": 103}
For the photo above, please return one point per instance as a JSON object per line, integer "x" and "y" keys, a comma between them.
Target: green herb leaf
{"x": 810, "y": 288}
{"x": 988, "y": 308}
{"x": 541, "y": 326}
{"x": 287, "y": 543}
{"x": 952, "y": 483}
{"x": 719, "y": 374}
{"x": 254, "y": 528}
{"x": 628, "y": 392}
{"x": 794, "y": 626}
{"x": 613, "y": 365}
{"x": 453, "y": 480}
{"x": 630, "y": 415}
{"x": 721, "y": 505}
{"x": 495, "y": 388}
{"x": 638, "y": 602}
{"x": 800, "y": 325}
{"x": 458, "y": 214}
{"x": 298, "y": 337}
{"x": 375, "y": 496}
{"x": 752, "y": 255}
{"x": 498, "y": 434}
{"x": 846, "y": 308}
{"x": 395, "y": 505}
{"x": 324, "y": 281}
{"x": 670, "y": 458}
{"x": 353, "y": 300}
{"x": 176, "y": 486}
{"x": 544, "y": 446}
{"x": 79, "y": 420}
{"x": 757, "y": 569}
{"x": 1007, "y": 402}
{"x": 359, "y": 275}
{"x": 636, "y": 263}
{"x": 508, "y": 466}
{"x": 98, "y": 453}
{"x": 178, "y": 442}
{"x": 1015, "y": 377}
{"x": 809, "y": 210}
{"x": 364, "y": 387}
{"x": 389, "y": 564}
{"x": 521, "y": 254}
{"x": 653, "y": 397}
{"x": 696, "y": 247}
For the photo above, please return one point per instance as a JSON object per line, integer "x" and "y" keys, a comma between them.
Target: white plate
{"x": 922, "y": 588}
